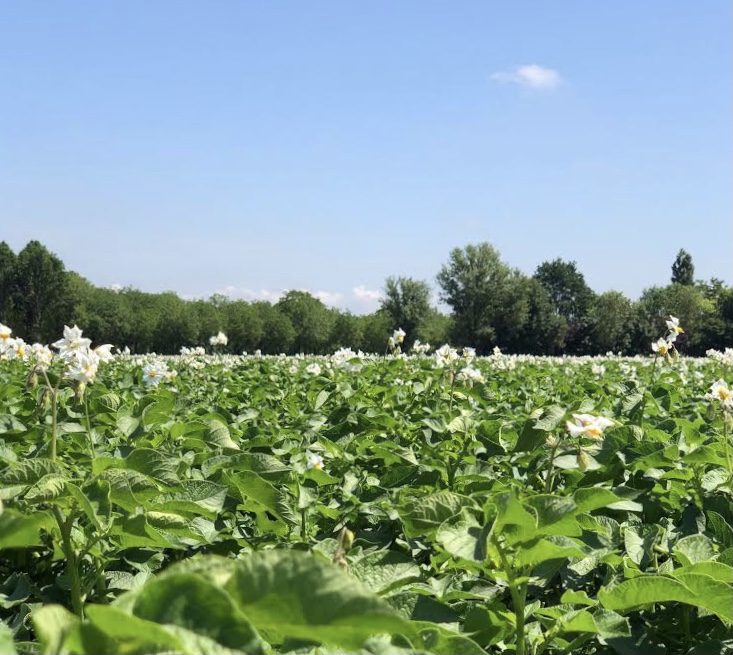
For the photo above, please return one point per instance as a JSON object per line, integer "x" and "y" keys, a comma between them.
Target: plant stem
{"x": 304, "y": 524}
{"x": 648, "y": 389}
{"x": 54, "y": 411}
{"x": 452, "y": 386}
{"x": 726, "y": 441}
{"x": 89, "y": 425}
{"x": 72, "y": 568}
{"x": 551, "y": 468}
{"x": 519, "y": 599}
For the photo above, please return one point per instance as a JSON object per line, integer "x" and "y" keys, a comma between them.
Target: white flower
{"x": 315, "y": 461}
{"x": 599, "y": 370}
{"x": 154, "y": 373}
{"x": 445, "y": 356}
{"x": 719, "y": 391}
{"x": 15, "y": 348}
{"x": 104, "y": 352}
{"x": 587, "y": 425}
{"x": 219, "y": 339}
{"x": 399, "y": 335}
{"x": 5, "y": 339}
{"x": 42, "y": 355}
{"x": 661, "y": 346}
{"x": 72, "y": 342}
{"x": 673, "y": 325}
{"x": 469, "y": 354}
{"x": 83, "y": 367}
{"x": 313, "y": 369}
{"x": 470, "y": 374}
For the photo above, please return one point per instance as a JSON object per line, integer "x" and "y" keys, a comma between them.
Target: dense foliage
{"x": 552, "y": 312}
{"x": 425, "y": 504}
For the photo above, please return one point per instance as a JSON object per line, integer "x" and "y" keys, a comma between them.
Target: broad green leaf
{"x": 692, "y": 589}
{"x": 193, "y": 603}
{"x": 555, "y": 515}
{"x": 294, "y": 595}
{"x": 383, "y": 571}
{"x": 694, "y": 548}
{"x": 131, "y": 633}
{"x": 195, "y": 497}
{"x": 6, "y": 640}
{"x": 20, "y": 531}
{"x": 425, "y": 516}
{"x": 53, "y": 624}
{"x": 464, "y": 538}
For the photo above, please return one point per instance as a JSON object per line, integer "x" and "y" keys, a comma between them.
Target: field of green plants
{"x": 423, "y": 503}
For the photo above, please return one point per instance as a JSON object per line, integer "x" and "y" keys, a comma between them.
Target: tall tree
{"x": 570, "y": 295}
{"x": 39, "y": 294}
{"x": 683, "y": 270}
{"x": 407, "y": 303}
{"x": 474, "y": 284}
{"x": 7, "y": 269}
{"x": 611, "y": 323}
{"x": 311, "y": 319}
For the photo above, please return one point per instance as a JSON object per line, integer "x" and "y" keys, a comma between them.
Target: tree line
{"x": 551, "y": 312}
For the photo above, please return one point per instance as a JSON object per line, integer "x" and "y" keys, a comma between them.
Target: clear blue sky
{"x": 249, "y": 147}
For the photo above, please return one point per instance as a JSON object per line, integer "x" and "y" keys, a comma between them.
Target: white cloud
{"x": 251, "y": 295}
{"x": 530, "y": 75}
{"x": 362, "y": 293}
{"x": 331, "y": 298}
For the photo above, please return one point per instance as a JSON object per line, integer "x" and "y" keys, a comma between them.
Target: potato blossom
{"x": 587, "y": 425}
{"x": 314, "y": 461}
{"x": 72, "y": 343}
{"x": 721, "y": 393}
{"x": 673, "y": 325}
{"x": 445, "y": 356}
{"x": 219, "y": 339}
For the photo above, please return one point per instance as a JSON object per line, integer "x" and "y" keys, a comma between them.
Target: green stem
{"x": 551, "y": 468}
{"x": 304, "y": 524}
{"x": 519, "y": 599}
{"x": 647, "y": 390}
{"x": 54, "y": 413}
{"x": 72, "y": 567}
{"x": 89, "y": 425}
{"x": 452, "y": 386}
{"x": 726, "y": 441}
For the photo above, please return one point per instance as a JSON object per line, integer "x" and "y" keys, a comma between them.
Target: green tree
{"x": 542, "y": 331}
{"x": 407, "y": 303}
{"x": 571, "y": 297}
{"x": 243, "y": 325}
{"x": 611, "y": 320}
{"x": 39, "y": 294}
{"x": 346, "y": 331}
{"x": 7, "y": 271}
{"x": 278, "y": 333}
{"x": 474, "y": 283}
{"x": 376, "y": 328}
{"x": 435, "y": 328}
{"x": 311, "y": 319}
{"x": 683, "y": 270}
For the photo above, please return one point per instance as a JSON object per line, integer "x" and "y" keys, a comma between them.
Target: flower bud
{"x": 583, "y": 461}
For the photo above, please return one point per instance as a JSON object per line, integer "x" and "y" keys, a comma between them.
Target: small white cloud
{"x": 251, "y": 295}
{"x": 530, "y": 75}
{"x": 362, "y": 293}
{"x": 116, "y": 287}
{"x": 331, "y": 298}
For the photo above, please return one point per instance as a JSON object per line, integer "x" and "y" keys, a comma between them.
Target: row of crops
{"x": 423, "y": 503}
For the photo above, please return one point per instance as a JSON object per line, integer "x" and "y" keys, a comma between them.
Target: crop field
{"x": 429, "y": 502}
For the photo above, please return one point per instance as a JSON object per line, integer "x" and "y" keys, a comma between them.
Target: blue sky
{"x": 249, "y": 147}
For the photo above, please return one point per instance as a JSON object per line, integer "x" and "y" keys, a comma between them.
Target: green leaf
{"x": 383, "y": 571}
{"x": 20, "y": 531}
{"x": 29, "y": 471}
{"x": 692, "y": 589}
{"x": 49, "y": 487}
{"x": 53, "y": 624}
{"x": 131, "y": 633}
{"x": 196, "y": 497}
{"x": 465, "y": 538}
{"x": 425, "y": 516}
{"x": 695, "y": 548}
{"x": 6, "y": 640}
{"x": 589, "y": 498}
{"x": 555, "y": 515}
{"x": 193, "y": 603}
{"x": 295, "y": 595}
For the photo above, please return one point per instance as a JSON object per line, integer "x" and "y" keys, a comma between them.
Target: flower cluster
{"x": 725, "y": 357}
{"x": 665, "y": 345}
{"x": 394, "y": 342}
{"x": 81, "y": 360}
{"x": 157, "y": 371}
{"x": 469, "y": 375}
{"x": 219, "y": 339}
{"x": 445, "y": 356}
{"x": 420, "y": 348}
{"x": 11, "y": 348}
